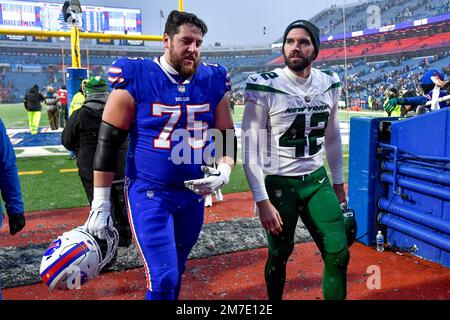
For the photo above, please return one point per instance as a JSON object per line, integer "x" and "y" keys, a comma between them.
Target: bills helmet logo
{"x": 52, "y": 247}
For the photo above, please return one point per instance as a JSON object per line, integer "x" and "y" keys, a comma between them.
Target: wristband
{"x": 101, "y": 198}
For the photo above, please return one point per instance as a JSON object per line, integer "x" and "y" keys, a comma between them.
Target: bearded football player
{"x": 291, "y": 116}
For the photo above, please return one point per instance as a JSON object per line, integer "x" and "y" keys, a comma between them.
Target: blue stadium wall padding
{"x": 427, "y": 134}
{"x": 437, "y": 191}
{"x": 409, "y": 212}
{"x": 421, "y": 197}
{"x": 364, "y": 186}
{"x": 435, "y": 175}
{"x": 74, "y": 76}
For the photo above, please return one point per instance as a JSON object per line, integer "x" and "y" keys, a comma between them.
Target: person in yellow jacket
{"x": 78, "y": 98}
{"x": 370, "y": 102}
{"x": 392, "y": 110}
{"x": 75, "y": 104}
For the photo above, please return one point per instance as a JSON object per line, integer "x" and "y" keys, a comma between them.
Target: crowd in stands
{"x": 7, "y": 92}
{"x": 360, "y": 80}
{"x": 363, "y": 79}
{"x": 373, "y": 79}
{"x": 331, "y": 21}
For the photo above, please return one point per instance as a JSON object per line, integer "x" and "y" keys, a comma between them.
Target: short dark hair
{"x": 177, "y": 19}
{"x": 393, "y": 90}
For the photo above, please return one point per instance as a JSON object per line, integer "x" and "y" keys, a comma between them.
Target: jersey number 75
{"x": 163, "y": 141}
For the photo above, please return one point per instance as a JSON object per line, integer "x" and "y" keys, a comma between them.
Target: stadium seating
{"x": 330, "y": 20}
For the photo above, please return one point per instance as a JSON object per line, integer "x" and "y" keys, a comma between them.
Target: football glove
{"x": 16, "y": 223}
{"x": 214, "y": 179}
{"x": 100, "y": 220}
{"x": 392, "y": 103}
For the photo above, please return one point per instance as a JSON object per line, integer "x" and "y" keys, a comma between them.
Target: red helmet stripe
{"x": 59, "y": 265}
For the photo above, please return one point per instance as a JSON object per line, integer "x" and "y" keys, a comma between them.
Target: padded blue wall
{"x": 364, "y": 186}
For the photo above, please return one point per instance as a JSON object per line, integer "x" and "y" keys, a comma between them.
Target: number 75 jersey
{"x": 299, "y": 115}
{"x": 172, "y": 116}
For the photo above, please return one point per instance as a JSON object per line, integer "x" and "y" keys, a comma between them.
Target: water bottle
{"x": 380, "y": 241}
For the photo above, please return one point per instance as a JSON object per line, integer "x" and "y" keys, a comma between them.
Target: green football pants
{"x": 34, "y": 117}
{"x": 313, "y": 199}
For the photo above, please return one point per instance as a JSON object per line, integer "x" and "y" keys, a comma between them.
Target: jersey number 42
{"x": 295, "y": 136}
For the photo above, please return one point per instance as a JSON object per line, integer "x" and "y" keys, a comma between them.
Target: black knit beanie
{"x": 313, "y": 31}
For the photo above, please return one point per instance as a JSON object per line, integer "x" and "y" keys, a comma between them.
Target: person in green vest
{"x": 392, "y": 110}
{"x": 75, "y": 104}
{"x": 370, "y": 102}
{"x": 78, "y": 98}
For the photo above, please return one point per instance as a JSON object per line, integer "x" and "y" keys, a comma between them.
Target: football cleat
{"x": 208, "y": 200}
{"x": 219, "y": 195}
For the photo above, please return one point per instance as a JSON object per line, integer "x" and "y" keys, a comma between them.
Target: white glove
{"x": 215, "y": 178}
{"x": 100, "y": 220}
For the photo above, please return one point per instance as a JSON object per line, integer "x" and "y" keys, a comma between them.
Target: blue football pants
{"x": 166, "y": 225}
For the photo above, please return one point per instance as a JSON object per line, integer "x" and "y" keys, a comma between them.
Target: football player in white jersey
{"x": 290, "y": 118}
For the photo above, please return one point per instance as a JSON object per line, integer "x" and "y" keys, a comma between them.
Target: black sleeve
{"x": 70, "y": 137}
{"x": 227, "y": 146}
{"x": 110, "y": 139}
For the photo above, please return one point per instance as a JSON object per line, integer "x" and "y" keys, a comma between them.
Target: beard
{"x": 301, "y": 65}
{"x": 177, "y": 64}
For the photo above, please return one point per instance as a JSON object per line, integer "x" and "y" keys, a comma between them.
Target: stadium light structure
{"x": 71, "y": 11}
{"x": 72, "y": 14}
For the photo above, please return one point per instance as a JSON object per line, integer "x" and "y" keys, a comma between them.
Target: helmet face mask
{"x": 75, "y": 257}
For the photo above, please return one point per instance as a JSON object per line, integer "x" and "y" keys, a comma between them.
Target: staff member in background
{"x": 78, "y": 98}
{"x": 392, "y": 110}
{"x": 75, "y": 104}
{"x": 32, "y": 102}
{"x": 61, "y": 97}
{"x": 52, "y": 108}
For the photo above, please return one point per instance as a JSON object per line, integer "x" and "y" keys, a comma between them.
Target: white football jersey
{"x": 300, "y": 114}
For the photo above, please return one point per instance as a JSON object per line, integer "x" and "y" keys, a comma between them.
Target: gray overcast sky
{"x": 231, "y": 22}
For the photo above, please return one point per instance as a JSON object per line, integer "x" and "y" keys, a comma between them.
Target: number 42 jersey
{"x": 298, "y": 114}
{"x": 167, "y": 138}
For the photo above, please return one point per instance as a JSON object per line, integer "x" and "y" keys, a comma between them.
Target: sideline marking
{"x": 22, "y": 173}
{"x": 68, "y": 170}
